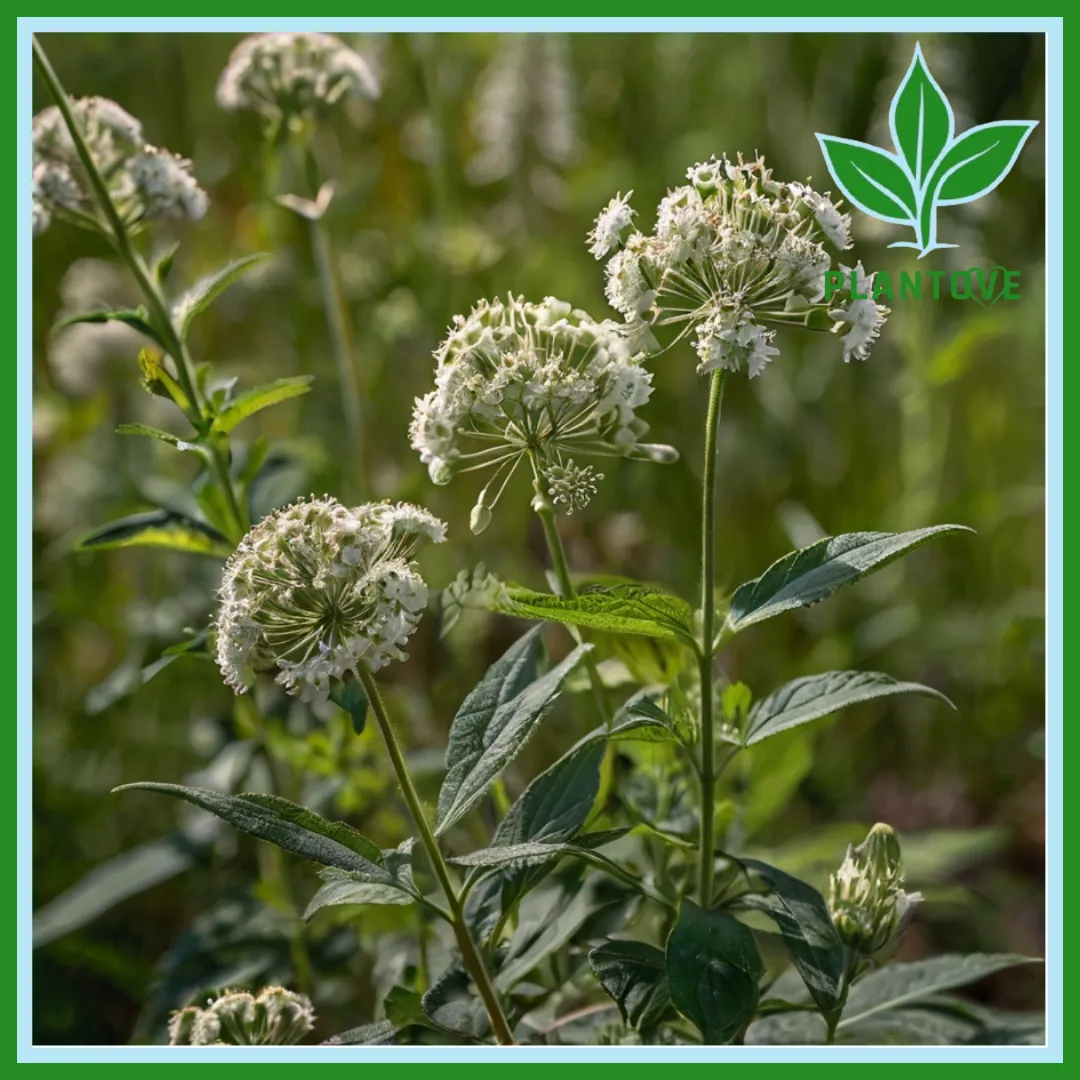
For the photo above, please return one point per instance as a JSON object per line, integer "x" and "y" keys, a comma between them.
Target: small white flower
{"x": 166, "y": 187}
{"x": 611, "y": 223}
{"x": 572, "y": 485}
{"x": 864, "y": 316}
{"x": 316, "y": 590}
{"x": 627, "y": 290}
{"x": 730, "y": 339}
{"x": 293, "y": 75}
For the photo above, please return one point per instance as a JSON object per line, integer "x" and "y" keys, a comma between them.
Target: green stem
{"x": 344, "y": 348}
{"x": 546, "y": 512}
{"x": 158, "y": 306}
{"x": 705, "y": 660}
{"x": 469, "y": 955}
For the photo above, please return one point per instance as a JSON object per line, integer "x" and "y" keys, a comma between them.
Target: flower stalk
{"x": 469, "y": 954}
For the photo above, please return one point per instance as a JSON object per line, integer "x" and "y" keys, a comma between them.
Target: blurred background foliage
{"x": 478, "y": 173}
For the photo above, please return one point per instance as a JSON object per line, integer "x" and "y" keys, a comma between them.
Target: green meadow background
{"x": 478, "y": 173}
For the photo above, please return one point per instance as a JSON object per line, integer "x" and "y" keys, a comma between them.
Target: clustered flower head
{"x": 144, "y": 182}
{"x": 541, "y": 381}
{"x": 274, "y": 1017}
{"x": 292, "y": 77}
{"x": 733, "y": 254}
{"x": 316, "y": 590}
{"x": 866, "y": 900}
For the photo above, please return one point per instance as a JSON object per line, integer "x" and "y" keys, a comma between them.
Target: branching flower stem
{"x": 160, "y": 315}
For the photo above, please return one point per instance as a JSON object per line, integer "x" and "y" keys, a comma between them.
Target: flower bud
{"x": 866, "y": 901}
{"x": 480, "y": 518}
{"x": 274, "y": 1017}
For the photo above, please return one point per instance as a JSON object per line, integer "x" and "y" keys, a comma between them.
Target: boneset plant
{"x": 617, "y": 901}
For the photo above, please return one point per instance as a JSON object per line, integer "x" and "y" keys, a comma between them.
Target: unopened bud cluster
{"x": 273, "y": 1017}
{"x": 542, "y": 381}
{"x": 733, "y": 254}
{"x": 144, "y": 182}
{"x": 866, "y": 900}
{"x": 316, "y": 590}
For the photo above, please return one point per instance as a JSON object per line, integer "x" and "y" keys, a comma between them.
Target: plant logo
{"x": 932, "y": 166}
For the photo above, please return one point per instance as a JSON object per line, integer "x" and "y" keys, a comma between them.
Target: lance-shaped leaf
{"x": 136, "y": 318}
{"x": 900, "y": 985}
{"x": 920, "y": 119}
{"x": 262, "y": 397}
{"x": 159, "y": 528}
{"x": 815, "y": 696}
{"x": 359, "y": 887}
{"x": 380, "y": 1033}
{"x": 284, "y": 823}
{"x": 201, "y": 296}
{"x": 494, "y": 723}
{"x": 149, "y": 432}
{"x": 807, "y": 930}
{"x": 713, "y": 968}
{"x": 804, "y": 577}
{"x": 979, "y": 160}
{"x": 350, "y": 696}
{"x": 634, "y": 975}
{"x": 619, "y": 609}
{"x": 871, "y": 179}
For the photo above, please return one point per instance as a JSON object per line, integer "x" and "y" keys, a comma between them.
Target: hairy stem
{"x": 160, "y": 314}
{"x": 469, "y": 955}
{"x": 705, "y": 661}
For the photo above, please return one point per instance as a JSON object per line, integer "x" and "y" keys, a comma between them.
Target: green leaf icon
{"x": 931, "y": 167}
{"x": 920, "y": 120}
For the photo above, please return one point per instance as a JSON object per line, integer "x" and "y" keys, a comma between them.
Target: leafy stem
{"x": 160, "y": 315}
{"x": 469, "y": 955}
{"x": 705, "y": 659}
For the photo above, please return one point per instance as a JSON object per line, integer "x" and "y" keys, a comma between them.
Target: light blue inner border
{"x": 1052, "y": 28}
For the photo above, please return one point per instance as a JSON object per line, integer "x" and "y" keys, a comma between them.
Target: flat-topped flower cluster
{"x": 316, "y": 589}
{"x": 544, "y": 381}
{"x": 733, "y": 253}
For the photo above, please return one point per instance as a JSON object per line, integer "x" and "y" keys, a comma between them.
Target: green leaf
{"x": 163, "y": 264}
{"x": 380, "y": 1033}
{"x": 262, "y": 397}
{"x": 871, "y": 179}
{"x": 159, "y": 528}
{"x": 451, "y": 1005}
{"x": 634, "y": 975}
{"x": 150, "y": 432}
{"x": 979, "y": 160}
{"x": 900, "y": 985}
{"x": 494, "y": 723}
{"x": 136, "y": 318}
{"x": 815, "y": 696}
{"x": 202, "y": 295}
{"x": 807, "y": 930}
{"x": 350, "y": 696}
{"x": 713, "y": 967}
{"x": 280, "y": 822}
{"x": 619, "y": 609}
{"x": 921, "y": 119}
{"x": 353, "y": 887}
{"x": 524, "y": 854}
{"x": 804, "y": 577}
{"x": 642, "y": 720}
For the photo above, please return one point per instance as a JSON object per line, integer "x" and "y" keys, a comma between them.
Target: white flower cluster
{"x": 541, "y": 381}
{"x": 733, "y": 252}
{"x": 316, "y": 589}
{"x": 273, "y": 1017}
{"x": 144, "y": 183}
{"x": 293, "y": 76}
{"x": 866, "y": 901}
